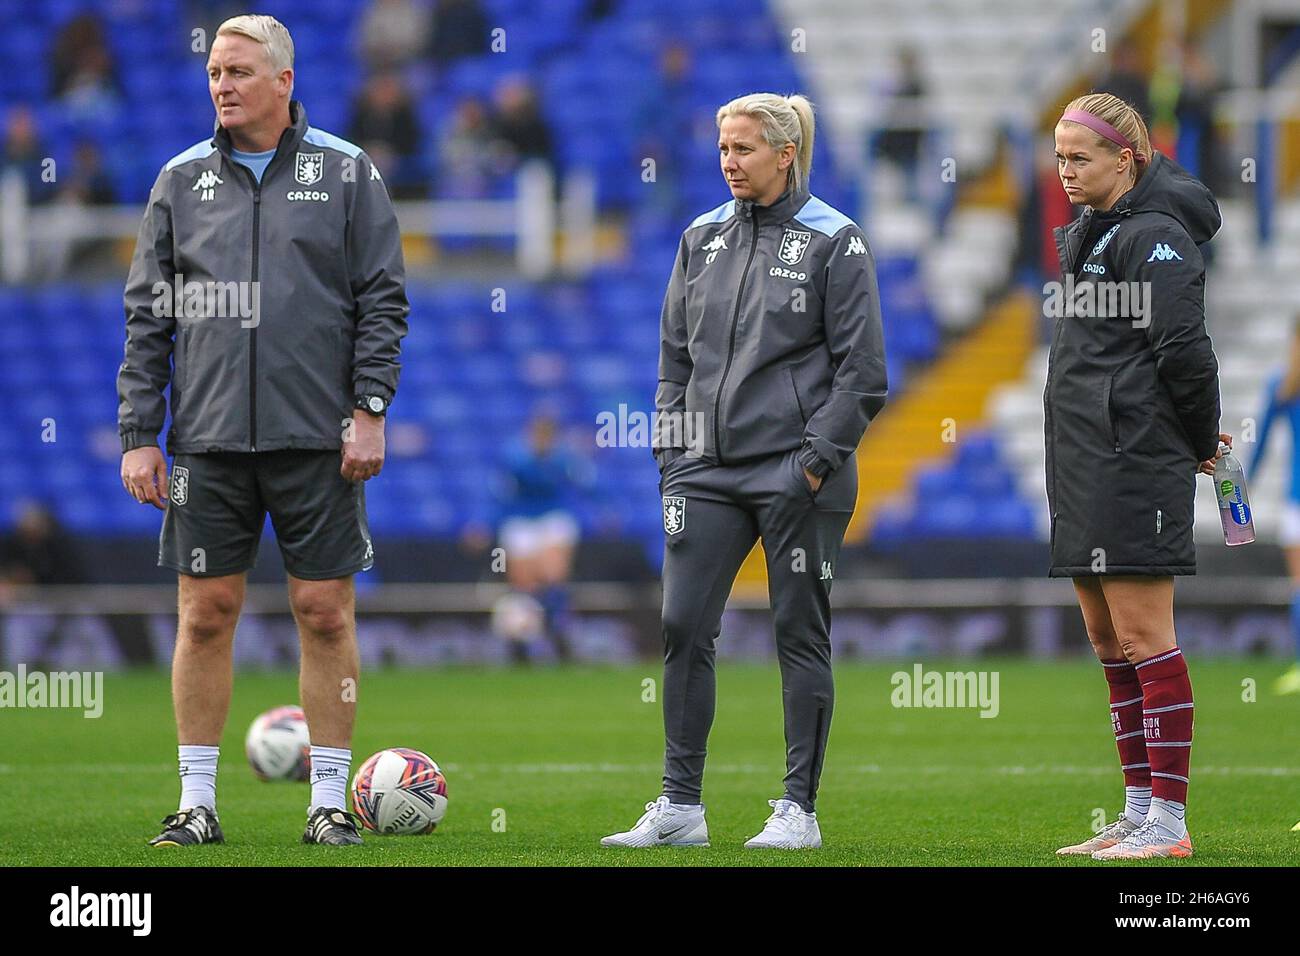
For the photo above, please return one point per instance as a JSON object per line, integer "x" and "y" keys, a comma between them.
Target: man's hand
{"x": 363, "y": 446}
{"x": 144, "y": 475}
{"x": 813, "y": 481}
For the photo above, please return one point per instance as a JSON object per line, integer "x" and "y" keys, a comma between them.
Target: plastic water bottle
{"x": 1234, "y": 505}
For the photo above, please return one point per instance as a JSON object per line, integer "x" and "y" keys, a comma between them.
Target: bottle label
{"x": 1230, "y": 497}
{"x": 1240, "y": 512}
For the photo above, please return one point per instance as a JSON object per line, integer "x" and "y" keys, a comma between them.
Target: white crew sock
{"x": 198, "y": 769}
{"x": 1169, "y": 816}
{"x": 329, "y": 778}
{"x": 1137, "y": 803}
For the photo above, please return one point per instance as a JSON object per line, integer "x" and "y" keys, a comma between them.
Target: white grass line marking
{"x": 1060, "y": 770}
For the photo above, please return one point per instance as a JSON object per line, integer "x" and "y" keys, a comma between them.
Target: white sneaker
{"x": 788, "y": 828}
{"x": 664, "y": 824}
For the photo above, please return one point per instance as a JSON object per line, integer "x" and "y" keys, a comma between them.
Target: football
{"x": 278, "y": 746}
{"x": 399, "y": 791}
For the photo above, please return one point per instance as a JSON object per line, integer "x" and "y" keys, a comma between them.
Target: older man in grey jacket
{"x": 267, "y": 289}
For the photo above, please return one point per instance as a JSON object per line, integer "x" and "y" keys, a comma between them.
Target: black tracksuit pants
{"x": 712, "y": 516}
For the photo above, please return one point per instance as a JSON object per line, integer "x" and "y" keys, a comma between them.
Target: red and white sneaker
{"x": 1107, "y": 836}
{"x": 1147, "y": 842}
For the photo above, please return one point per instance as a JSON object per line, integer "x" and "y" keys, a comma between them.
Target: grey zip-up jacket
{"x": 770, "y": 336}
{"x": 292, "y": 297}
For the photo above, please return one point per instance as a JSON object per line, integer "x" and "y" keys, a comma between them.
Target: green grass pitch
{"x": 542, "y": 763}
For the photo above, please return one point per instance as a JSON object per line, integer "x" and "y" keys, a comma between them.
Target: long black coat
{"x": 1132, "y": 397}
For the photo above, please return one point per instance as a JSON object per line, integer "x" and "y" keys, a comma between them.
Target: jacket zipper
{"x": 252, "y": 333}
{"x": 731, "y": 347}
{"x": 1072, "y": 263}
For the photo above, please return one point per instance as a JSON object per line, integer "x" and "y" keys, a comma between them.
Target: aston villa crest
{"x": 178, "y": 491}
{"x": 793, "y": 245}
{"x": 674, "y": 514}
{"x": 1102, "y": 242}
{"x": 308, "y": 168}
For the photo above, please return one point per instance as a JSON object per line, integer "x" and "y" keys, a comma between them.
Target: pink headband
{"x": 1102, "y": 128}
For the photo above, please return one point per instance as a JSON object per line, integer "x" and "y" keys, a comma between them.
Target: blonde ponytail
{"x": 803, "y": 109}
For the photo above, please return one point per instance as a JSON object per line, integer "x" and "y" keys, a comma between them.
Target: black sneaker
{"x": 331, "y": 826}
{"x": 188, "y": 827}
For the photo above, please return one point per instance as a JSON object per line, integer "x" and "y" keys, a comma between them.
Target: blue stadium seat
{"x": 470, "y": 375}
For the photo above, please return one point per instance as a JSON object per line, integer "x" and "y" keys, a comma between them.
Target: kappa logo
{"x": 793, "y": 245}
{"x": 370, "y": 551}
{"x": 1105, "y": 240}
{"x": 674, "y": 514}
{"x": 713, "y": 247}
{"x": 1162, "y": 253}
{"x": 308, "y": 168}
{"x": 178, "y": 489}
{"x": 206, "y": 185}
{"x": 856, "y": 247}
{"x": 374, "y": 173}
{"x": 828, "y": 572}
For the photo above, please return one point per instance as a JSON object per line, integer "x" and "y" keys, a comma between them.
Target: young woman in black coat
{"x": 1132, "y": 415}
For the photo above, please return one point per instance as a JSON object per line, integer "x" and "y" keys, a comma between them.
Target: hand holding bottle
{"x": 1207, "y": 467}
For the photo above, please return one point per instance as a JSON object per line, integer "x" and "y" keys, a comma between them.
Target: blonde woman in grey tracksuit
{"x": 771, "y": 367}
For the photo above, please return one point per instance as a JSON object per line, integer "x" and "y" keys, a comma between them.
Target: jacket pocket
{"x": 797, "y": 467}
{"x": 343, "y": 360}
{"x": 1109, "y": 418}
{"x": 180, "y": 360}
{"x": 794, "y": 391}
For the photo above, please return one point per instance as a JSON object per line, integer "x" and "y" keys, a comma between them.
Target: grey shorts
{"x": 218, "y": 502}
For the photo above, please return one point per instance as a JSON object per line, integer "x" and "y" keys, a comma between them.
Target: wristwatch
{"x": 374, "y": 404}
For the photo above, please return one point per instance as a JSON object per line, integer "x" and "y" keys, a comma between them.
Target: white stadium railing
{"x": 43, "y": 235}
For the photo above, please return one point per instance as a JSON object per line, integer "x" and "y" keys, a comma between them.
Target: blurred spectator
{"x": 518, "y": 125}
{"x": 393, "y": 32}
{"x": 385, "y": 124}
{"x": 466, "y": 164}
{"x": 1198, "y": 143}
{"x": 597, "y": 10}
{"x": 1043, "y": 206}
{"x": 85, "y": 184}
{"x": 24, "y": 153}
{"x": 459, "y": 29}
{"x": 538, "y": 535}
{"x": 38, "y": 551}
{"x": 665, "y": 118}
{"x": 81, "y": 66}
{"x": 1127, "y": 80}
{"x": 901, "y": 139}
{"x": 88, "y": 184}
